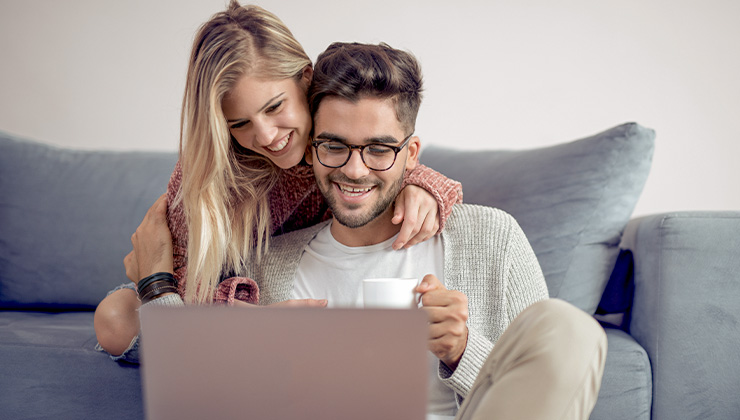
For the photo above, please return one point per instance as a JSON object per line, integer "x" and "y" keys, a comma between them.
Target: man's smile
{"x": 354, "y": 191}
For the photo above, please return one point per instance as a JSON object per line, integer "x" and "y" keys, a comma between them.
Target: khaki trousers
{"x": 547, "y": 365}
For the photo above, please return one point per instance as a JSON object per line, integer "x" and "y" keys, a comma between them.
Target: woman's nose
{"x": 264, "y": 133}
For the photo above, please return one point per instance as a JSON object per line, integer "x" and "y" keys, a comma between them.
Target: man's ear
{"x": 412, "y": 159}
{"x": 308, "y": 154}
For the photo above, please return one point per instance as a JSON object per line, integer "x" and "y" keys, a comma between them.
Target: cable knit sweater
{"x": 486, "y": 256}
{"x": 295, "y": 203}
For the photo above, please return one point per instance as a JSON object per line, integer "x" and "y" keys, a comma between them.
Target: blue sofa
{"x": 667, "y": 290}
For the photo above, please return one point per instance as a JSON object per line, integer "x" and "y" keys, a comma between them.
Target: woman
{"x": 241, "y": 177}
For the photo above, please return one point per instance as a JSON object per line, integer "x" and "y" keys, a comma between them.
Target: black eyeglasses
{"x": 376, "y": 156}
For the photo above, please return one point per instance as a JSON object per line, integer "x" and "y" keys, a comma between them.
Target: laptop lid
{"x": 283, "y": 363}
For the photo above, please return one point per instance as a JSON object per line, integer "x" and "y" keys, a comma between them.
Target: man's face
{"x": 358, "y": 195}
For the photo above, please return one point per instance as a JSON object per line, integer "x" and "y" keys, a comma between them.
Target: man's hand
{"x": 152, "y": 243}
{"x": 418, "y": 210}
{"x": 448, "y": 313}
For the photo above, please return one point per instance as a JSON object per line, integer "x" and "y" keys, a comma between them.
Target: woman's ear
{"x": 412, "y": 159}
{"x": 307, "y": 76}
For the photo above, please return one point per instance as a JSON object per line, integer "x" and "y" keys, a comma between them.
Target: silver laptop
{"x": 288, "y": 363}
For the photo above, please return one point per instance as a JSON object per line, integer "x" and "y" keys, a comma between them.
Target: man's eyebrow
{"x": 267, "y": 104}
{"x": 372, "y": 140}
{"x": 330, "y": 136}
{"x": 383, "y": 140}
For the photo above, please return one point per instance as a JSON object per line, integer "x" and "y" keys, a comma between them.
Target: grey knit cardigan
{"x": 486, "y": 256}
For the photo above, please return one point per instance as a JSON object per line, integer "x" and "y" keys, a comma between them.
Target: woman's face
{"x": 270, "y": 117}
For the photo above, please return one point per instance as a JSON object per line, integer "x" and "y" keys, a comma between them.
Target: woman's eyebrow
{"x": 268, "y": 103}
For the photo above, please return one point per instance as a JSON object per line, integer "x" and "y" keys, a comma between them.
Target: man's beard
{"x": 354, "y": 221}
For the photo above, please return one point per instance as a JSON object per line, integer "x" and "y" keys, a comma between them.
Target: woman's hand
{"x": 132, "y": 267}
{"x": 152, "y": 243}
{"x": 418, "y": 211}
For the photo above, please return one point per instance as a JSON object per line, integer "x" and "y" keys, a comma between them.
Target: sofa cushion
{"x": 67, "y": 217}
{"x": 572, "y": 200}
{"x": 686, "y": 311}
{"x": 627, "y": 385}
{"x": 50, "y": 370}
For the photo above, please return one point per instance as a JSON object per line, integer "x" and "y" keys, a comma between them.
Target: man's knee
{"x": 564, "y": 327}
{"x": 561, "y": 315}
{"x": 566, "y": 331}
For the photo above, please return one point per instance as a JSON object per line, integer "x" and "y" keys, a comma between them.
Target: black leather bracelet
{"x": 155, "y": 290}
{"x": 147, "y": 281}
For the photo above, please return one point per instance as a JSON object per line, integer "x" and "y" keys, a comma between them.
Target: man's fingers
{"x": 443, "y": 298}
{"x": 435, "y": 314}
{"x": 448, "y": 328}
{"x": 453, "y": 310}
{"x": 428, "y": 283}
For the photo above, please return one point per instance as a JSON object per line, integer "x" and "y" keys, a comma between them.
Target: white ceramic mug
{"x": 390, "y": 293}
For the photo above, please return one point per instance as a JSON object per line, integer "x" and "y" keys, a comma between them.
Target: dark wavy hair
{"x": 353, "y": 71}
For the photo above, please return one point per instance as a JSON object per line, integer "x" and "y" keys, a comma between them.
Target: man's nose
{"x": 355, "y": 167}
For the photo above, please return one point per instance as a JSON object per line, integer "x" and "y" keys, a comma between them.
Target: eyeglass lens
{"x": 376, "y": 156}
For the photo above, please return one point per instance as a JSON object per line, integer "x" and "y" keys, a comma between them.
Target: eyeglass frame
{"x": 361, "y": 148}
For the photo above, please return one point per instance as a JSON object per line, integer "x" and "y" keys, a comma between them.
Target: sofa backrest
{"x": 572, "y": 200}
{"x": 66, "y": 219}
{"x": 66, "y": 216}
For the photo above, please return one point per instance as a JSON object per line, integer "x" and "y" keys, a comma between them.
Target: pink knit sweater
{"x": 295, "y": 203}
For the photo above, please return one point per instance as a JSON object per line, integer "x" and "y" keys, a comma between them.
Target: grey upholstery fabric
{"x": 686, "y": 311}
{"x": 627, "y": 382}
{"x": 572, "y": 200}
{"x": 67, "y": 217}
{"x": 51, "y": 371}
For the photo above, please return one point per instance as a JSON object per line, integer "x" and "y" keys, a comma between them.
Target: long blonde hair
{"x": 225, "y": 188}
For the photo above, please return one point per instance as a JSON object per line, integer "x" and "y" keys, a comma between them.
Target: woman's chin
{"x": 288, "y": 160}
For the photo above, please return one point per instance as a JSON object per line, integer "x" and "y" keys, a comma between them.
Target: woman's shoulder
{"x": 299, "y": 171}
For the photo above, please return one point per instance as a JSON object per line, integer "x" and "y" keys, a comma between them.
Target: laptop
{"x": 283, "y": 363}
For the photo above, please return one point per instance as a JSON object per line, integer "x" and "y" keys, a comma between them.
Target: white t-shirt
{"x": 332, "y": 271}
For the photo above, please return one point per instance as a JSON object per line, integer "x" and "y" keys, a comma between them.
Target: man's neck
{"x": 378, "y": 230}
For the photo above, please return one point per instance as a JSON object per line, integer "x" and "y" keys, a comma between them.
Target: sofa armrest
{"x": 686, "y": 310}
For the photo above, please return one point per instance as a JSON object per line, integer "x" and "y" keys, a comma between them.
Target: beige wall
{"x": 509, "y": 74}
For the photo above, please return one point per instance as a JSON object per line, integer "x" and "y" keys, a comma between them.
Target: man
{"x": 480, "y": 276}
